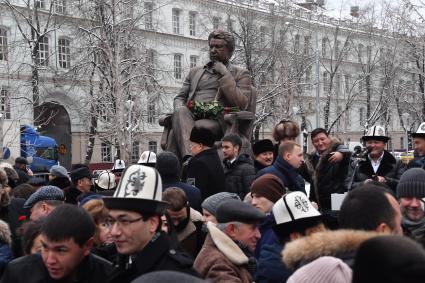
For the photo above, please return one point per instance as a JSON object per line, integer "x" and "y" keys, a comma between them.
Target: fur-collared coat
{"x": 327, "y": 178}
{"x": 390, "y": 168}
{"x": 342, "y": 244}
{"x": 192, "y": 237}
{"x": 221, "y": 260}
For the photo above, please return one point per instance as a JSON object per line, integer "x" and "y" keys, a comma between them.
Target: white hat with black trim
{"x": 294, "y": 213}
{"x": 106, "y": 180}
{"x": 375, "y": 133}
{"x": 147, "y": 157}
{"x": 420, "y": 133}
{"x": 140, "y": 189}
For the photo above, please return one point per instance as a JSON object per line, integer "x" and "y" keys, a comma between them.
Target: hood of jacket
{"x": 226, "y": 245}
{"x": 327, "y": 243}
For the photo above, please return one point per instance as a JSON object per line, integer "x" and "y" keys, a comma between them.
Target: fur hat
{"x": 420, "y": 133}
{"x": 294, "y": 212}
{"x": 389, "y": 259}
{"x": 140, "y": 189}
{"x": 285, "y": 129}
{"x": 203, "y": 136}
{"x": 325, "y": 269}
{"x": 375, "y": 133}
{"x": 269, "y": 186}
{"x": 262, "y": 146}
{"x": 412, "y": 183}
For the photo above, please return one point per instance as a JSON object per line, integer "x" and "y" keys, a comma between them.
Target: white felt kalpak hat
{"x": 375, "y": 133}
{"x": 294, "y": 213}
{"x": 106, "y": 180}
{"x": 420, "y": 133}
{"x": 147, "y": 157}
{"x": 140, "y": 189}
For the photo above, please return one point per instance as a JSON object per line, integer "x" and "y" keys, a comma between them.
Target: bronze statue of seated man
{"x": 217, "y": 86}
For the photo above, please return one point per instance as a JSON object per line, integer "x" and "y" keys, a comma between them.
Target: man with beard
{"x": 410, "y": 194}
{"x": 186, "y": 221}
{"x": 219, "y": 81}
{"x": 419, "y": 143}
{"x": 380, "y": 165}
{"x": 263, "y": 154}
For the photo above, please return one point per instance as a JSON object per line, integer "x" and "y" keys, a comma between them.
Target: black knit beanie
{"x": 412, "y": 183}
{"x": 168, "y": 165}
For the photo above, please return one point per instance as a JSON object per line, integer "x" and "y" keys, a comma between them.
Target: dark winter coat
{"x": 61, "y": 182}
{"x": 31, "y": 269}
{"x": 239, "y": 175}
{"x": 390, "y": 168}
{"x": 193, "y": 194}
{"x": 23, "y": 176}
{"x": 270, "y": 268}
{"x": 268, "y": 236}
{"x": 288, "y": 174}
{"x": 326, "y": 178}
{"x": 156, "y": 256}
{"x": 258, "y": 166}
{"x": 11, "y": 214}
{"x": 417, "y": 162}
{"x": 71, "y": 195}
{"x": 5, "y": 257}
{"x": 206, "y": 173}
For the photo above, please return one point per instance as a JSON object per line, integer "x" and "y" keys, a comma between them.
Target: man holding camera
{"x": 379, "y": 165}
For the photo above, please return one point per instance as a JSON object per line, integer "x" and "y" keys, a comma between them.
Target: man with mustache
{"x": 263, "y": 154}
{"x": 219, "y": 81}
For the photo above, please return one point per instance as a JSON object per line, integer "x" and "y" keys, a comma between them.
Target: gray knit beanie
{"x": 168, "y": 165}
{"x": 412, "y": 183}
{"x": 211, "y": 203}
{"x": 323, "y": 270}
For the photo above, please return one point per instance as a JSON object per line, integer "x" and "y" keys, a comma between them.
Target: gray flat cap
{"x": 59, "y": 171}
{"x": 211, "y": 203}
{"x": 239, "y": 211}
{"x": 44, "y": 193}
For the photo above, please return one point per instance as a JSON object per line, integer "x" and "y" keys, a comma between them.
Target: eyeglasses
{"x": 122, "y": 222}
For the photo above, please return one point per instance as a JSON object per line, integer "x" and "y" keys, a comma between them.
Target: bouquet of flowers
{"x": 209, "y": 110}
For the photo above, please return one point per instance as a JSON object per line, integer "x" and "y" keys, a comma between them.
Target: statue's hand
{"x": 220, "y": 68}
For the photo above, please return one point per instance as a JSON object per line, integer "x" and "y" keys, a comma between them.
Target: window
{"x": 347, "y": 83}
{"x": 230, "y": 25}
{"x": 151, "y": 62}
{"x": 324, "y": 46}
{"x": 369, "y": 53}
{"x": 5, "y": 102}
{"x": 308, "y": 75}
{"x": 41, "y": 4}
{"x": 3, "y": 44}
{"x": 360, "y": 53}
{"x": 326, "y": 83}
{"x": 263, "y": 35}
{"x": 337, "y": 80}
{"x": 348, "y": 118}
{"x": 216, "y": 23}
{"x": 152, "y": 146}
{"x": 192, "y": 23}
{"x": 148, "y": 15}
{"x": 59, "y": 6}
{"x": 336, "y": 49}
{"x": 307, "y": 45}
{"x": 176, "y": 21}
{"x": 297, "y": 43}
{"x": 43, "y": 51}
{"x": 178, "y": 66}
{"x": 151, "y": 112}
{"x": 361, "y": 116}
{"x": 135, "y": 152}
{"x": 338, "y": 111}
{"x": 64, "y": 53}
{"x": 193, "y": 61}
{"x": 106, "y": 152}
{"x": 402, "y": 145}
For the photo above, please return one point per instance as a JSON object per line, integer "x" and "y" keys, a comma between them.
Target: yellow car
{"x": 406, "y": 157}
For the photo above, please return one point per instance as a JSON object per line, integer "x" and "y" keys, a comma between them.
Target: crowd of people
{"x": 222, "y": 215}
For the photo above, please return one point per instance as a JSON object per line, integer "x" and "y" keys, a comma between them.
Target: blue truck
{"x": 42, "y": 149}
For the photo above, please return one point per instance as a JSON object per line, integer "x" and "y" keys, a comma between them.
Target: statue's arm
{"x": 181, "y": 98}
{"x": 236, "y": 90}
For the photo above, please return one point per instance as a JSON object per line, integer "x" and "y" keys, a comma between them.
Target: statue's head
{"x": 222, "y": 45}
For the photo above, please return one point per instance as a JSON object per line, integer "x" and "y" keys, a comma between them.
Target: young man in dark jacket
{"x": 65, "y": 256}
{"x": 326, "y": 168}
{"x": 135, "y": 225}
{"x": 289, "y": 160}
{"x": 204, "y": 170}
{"x": 239, "y": 170}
